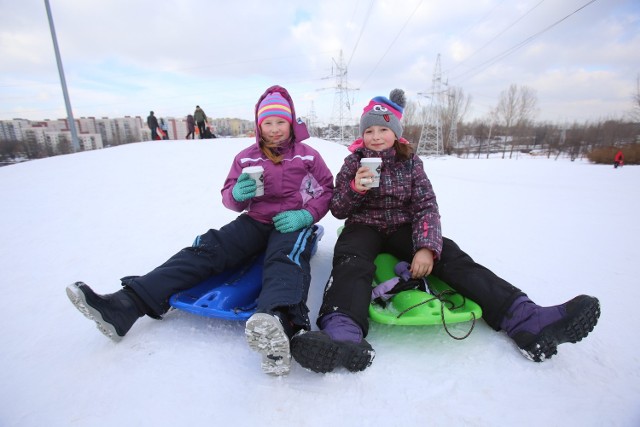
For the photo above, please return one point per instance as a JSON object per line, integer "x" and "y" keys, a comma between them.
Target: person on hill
{"x": 280, "y": 223}
{"x": 401, "y": 217}
{"x": 201, "y": 120}
{"x": 152, "y": 122}
{"x": 165, "y": 129}
{"x": 618, "y": 160}
{"x": 191, "y": 127}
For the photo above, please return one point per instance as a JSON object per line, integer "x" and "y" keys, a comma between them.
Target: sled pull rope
{"x": 439, "y": 297}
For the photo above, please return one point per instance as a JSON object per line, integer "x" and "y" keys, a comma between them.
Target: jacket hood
{"x": 300, "y": 132}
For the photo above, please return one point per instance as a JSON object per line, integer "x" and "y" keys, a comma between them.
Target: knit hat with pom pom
{"x": 274, "y": 104}
{"x": 386, "y": 112}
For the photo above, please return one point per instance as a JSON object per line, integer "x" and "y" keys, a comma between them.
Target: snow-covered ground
{"x": 553, "y": 228}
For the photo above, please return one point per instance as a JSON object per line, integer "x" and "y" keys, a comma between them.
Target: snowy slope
{"x": 552, "y": 228}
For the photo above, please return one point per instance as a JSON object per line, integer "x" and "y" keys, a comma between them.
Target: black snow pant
{"x": 201, "y": 129}
{"x": 349, "y": 288}
{"x": 286, "y": 273}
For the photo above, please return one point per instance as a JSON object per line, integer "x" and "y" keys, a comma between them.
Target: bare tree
{"x": 11, "y": 148}
{"x": 515, "y": 111}
{"x": 412, "y": 119}
{"x": 411, "y": 114}
{"x": 482, "y": 134}
{"x": 456, "y": 105}
{"x": 635, "y": 112}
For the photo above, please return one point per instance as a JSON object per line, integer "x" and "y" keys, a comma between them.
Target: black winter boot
{"x": 317, "y": 351}
{"x": 114, "y": 314}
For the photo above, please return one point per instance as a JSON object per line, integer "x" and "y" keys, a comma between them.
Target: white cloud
{"x": 132, "y": 56}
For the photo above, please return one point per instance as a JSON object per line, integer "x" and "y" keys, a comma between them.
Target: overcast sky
{"x": 126, "y": 57}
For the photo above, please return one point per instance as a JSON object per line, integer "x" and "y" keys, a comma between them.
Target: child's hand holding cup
{"x": 375, "y": 165}
{"x": 256, "y": 173}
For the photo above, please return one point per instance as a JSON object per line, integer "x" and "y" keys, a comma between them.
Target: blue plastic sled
{"x": 231, "y": 295}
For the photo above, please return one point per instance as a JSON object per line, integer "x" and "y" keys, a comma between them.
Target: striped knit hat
{"x": 274, "y": 105}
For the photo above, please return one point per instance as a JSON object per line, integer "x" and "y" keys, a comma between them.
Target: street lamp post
{"x": 72, "y": 124}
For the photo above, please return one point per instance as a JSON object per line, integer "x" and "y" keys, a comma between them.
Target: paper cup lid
{"x": 252, "y": 169}
{"x": 371, "y": 160}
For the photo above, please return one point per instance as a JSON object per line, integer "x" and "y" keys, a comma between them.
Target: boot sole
{"x": 582, "y": 316}
{"x": 265, "y": 334}
{"x": 79, "y": 300}
{"x": 321, "y": 354}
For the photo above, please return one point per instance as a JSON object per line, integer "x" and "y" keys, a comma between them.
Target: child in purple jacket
{"x": 401, "y": 217}
{"x": 297, "y": 191}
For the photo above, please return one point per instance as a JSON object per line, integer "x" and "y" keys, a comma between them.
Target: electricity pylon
{"x": 430, "y": 142}
{"x": 341, "y": 104}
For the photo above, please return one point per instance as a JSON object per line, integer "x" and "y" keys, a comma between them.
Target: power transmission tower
{"x": 430, "y": 142}
{"x": 341, "y": 105}
{"x": 311, "y": 120}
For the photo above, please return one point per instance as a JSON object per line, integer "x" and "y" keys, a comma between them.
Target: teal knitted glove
{"x": 244, "y": 189}
{"x": 288, "y": 221}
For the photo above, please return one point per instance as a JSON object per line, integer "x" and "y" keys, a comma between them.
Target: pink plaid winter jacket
{"x": 405, "y": 196}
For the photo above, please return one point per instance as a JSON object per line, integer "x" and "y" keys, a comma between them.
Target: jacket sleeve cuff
{"x": 353, "y": 187}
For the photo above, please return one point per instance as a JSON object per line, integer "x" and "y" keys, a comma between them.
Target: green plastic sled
{"x": 415, "y": 307}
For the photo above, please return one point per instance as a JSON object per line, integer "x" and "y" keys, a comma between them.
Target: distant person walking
{"x": 618, "y": 160}
{"x": 191, "y": 126}
{"x": 201, "y": 119}
{"x": 165, "y": 129}
{"x": 152, "y": 122}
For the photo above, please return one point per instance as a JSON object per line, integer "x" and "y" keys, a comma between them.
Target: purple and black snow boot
{"x": 340, "y": 342}
{"x": 538, "y": 331}
{"x": 114, "y": 314}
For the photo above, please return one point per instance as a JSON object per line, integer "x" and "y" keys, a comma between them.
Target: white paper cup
{"x": 257, "y": 173}
{"x": 375, "y": 165}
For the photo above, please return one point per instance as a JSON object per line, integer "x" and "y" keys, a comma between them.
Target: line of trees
{"x": 12, "y": 150}
{"x": 511, "y": 128}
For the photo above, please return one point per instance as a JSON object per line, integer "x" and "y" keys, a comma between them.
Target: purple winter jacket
{"x": 405, "y": 196}
{"x": 301, "y": 181}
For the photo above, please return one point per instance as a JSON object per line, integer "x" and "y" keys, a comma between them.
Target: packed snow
{"x": 554, "y": 228}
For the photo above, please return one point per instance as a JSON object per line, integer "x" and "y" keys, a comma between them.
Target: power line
{"x": 464, "y": 33}
{"x": 392, "y": 43}
{"x": 364, "y": 25}
{"x": 498, "y": 35}
{"x": 514, "y": 48}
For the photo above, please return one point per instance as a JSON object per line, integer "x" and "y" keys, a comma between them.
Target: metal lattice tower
{"x": 430, "y": 142}
{"x": 312, "y": 121}
{"x": 341, "y": 105}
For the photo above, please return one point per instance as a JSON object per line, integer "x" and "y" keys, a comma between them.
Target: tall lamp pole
{"x": 72, "y": 124}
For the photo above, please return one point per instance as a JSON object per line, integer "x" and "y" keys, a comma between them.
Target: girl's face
{"x": 378, "y": 138}
{"x": 275, "y": 129}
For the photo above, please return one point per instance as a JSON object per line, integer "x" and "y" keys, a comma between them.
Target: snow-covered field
{"x": 553, "y": 228}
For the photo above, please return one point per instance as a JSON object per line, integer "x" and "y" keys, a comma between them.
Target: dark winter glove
{"x": 245, "y": 188}
{"x": 382, "y": 290}
{"x": 289, "y": 221}
{"x": 402, "y": 270}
